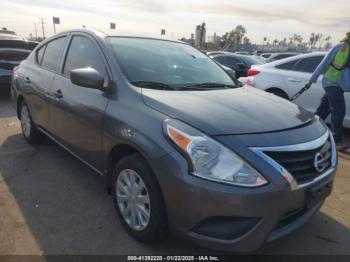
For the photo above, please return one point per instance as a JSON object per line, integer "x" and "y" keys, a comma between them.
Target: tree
{"x": 240, "y": 31}
{"x": 328, "y": 44}
{"x": 234, "y": 38}
{"x": 246, "y": 40}
{"x": 297, "y": 39}
{"x": 314, "y": 39}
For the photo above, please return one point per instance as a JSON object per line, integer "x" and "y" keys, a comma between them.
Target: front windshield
{"x": 166, "y": 62}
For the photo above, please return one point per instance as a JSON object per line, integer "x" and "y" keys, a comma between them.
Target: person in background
{"x": 335, "y": 68}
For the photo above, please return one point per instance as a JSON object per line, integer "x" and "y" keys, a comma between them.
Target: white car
{"x": 287, "y": 76}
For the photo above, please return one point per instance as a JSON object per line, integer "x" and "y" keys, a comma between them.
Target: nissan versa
{"x": 180, "y": 145}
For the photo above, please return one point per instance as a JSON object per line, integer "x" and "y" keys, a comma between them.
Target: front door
{"x": 78, "y": 112}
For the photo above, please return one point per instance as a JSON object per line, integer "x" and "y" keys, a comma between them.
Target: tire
{"x": 30, "y": 132}
{"x": 279, "y": 93}
{"x": 135, "y": 168}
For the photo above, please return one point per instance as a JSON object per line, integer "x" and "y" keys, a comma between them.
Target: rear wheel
{"x": 29, "y": 130}
{"x": 138, "y": 199}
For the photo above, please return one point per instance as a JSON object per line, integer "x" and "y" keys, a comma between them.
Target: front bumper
{"x": 191, "y": 202}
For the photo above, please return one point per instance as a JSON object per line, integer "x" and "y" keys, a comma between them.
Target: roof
{"x": 10, "y": 37}
{"x": 102, "y": 34}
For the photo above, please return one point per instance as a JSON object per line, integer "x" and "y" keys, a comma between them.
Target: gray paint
{"x": 90, "y": 123}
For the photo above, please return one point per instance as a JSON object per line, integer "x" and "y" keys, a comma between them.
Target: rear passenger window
{"x": 308, "y": 65}
{"x": 287, "y": 66}
{"x": 52, "y": 53}
{"x": 83, "y": 53}
{"x": 232, "y": 62}
{"x": 39, "y": 54}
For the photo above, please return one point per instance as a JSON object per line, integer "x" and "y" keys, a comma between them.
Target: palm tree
{"x": 240, "y": 31}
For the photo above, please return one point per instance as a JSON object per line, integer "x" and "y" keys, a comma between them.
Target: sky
{"x": 261, "y": 18}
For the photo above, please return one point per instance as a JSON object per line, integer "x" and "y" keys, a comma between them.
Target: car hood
{"x": 243, "y": 110}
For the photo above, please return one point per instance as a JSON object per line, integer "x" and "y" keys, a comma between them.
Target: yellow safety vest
{"x": 335, "y": 71}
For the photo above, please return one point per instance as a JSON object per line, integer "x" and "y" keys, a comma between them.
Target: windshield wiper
{"x": 153, "y": 85}
{"x": 206, "y": 86}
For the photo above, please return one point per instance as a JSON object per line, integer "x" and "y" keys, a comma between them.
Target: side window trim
{"x": 66, "y": 51}
{"x": 37, "y": 53}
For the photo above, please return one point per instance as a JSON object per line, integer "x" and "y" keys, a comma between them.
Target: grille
{"x": 300, "y": 164}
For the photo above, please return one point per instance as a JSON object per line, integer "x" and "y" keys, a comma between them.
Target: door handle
{"x": 58, "y": 93}
{"x": 27, "y": 80}
{"x": 294, "y": 80}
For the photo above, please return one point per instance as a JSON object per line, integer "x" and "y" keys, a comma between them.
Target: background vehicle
{"x": 239, "y": 63}
{"x": 179, "y": 144}
{"x": 13, "y": 49}
{"x": 266, "y": 55}
{"x": 278, "y": 56}
{"x": 286, "y": 77}
{"x": 215, "y": 53}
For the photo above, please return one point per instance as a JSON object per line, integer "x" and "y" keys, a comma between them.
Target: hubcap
{"x": 25, "y": 121}
{"x": 133, "y": 199}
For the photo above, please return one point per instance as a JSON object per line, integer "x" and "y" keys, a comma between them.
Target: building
{"x": 200, "y": 35}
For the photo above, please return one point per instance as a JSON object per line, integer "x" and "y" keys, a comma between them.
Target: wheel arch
{"x": 275, "y": 90}
{"x": 117, "y": 153}
{"x": 20, "y": 100}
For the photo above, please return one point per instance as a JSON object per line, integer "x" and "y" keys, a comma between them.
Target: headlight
{"x": 211, "y": 160}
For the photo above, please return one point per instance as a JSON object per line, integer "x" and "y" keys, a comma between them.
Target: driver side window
{"x": 83, "y": 53}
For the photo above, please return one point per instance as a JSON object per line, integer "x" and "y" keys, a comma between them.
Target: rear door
{"x": 296, "y": 79}
{"x": 38, "y": 80}
{"x": 78, "y": 112}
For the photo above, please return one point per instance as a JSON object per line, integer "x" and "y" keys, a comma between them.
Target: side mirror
{"x": 241, "y": 66}
{"x": 87, "y": 77}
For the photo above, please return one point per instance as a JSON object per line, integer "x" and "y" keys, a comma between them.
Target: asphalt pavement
{"x": 50, "y": 203}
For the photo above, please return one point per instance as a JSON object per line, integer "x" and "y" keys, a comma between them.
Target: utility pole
{"x": 36, "y": 32}
{"x": 42, "y": 26}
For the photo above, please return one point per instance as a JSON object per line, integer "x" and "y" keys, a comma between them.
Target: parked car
{"x": 286, "y": 77}
{"x": 215, "y": 53}
{"x": 239, "y": 63}
{"x": 261, "y": 59}
{"x": 181, "y": 147}
{"x": 242, "y": 53}
{"x": 279, "y": 56}
{"x": 13, "y": 49}
{"x": 265, "y": 55}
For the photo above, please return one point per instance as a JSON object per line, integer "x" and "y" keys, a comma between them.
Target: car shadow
{"x": 65, "y": 204}
{"x": 67, "y": 210}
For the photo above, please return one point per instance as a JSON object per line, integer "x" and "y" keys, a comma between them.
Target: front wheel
{"x": 138, "y": 199}
{"x": 29, "y": 130}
